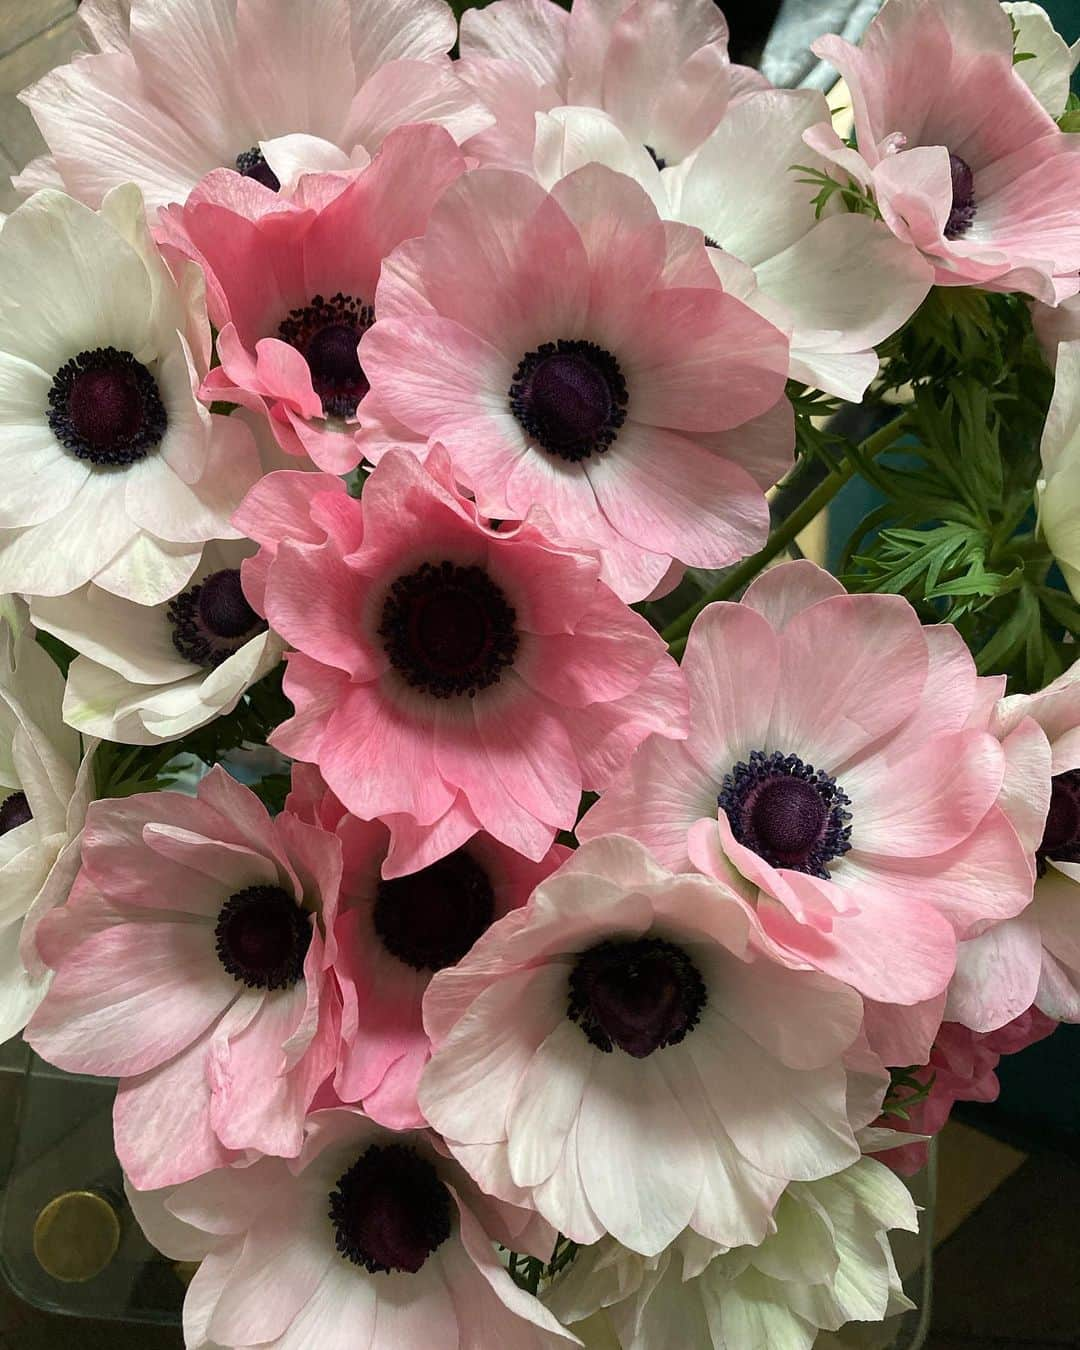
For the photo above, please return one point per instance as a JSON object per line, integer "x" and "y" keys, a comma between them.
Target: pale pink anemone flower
{"x": 189, "y": 963}
{"x": 269, "y": 88}
{"x": 961, "y": 1069}
{"x": 451, "y": 675}
{"x": 840, "y": 774}
{"x": 964, "y": 161}
{"x": 114, "y": 473}
{"x": 291, "y": 283}
{"x": 660, "y": 68}
{"x": 621, "y": 1056}
{"x": 368, "y": 1239}
{"x": 839, "y": 283}
{"x": 392, "y": 934}
{"x": 1035, "y": 957}
{"x": 573, "y": 351}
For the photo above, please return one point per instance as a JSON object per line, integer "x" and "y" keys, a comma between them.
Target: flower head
{"x": 451, "y": 675}
{"x": 113, "y": 472}
{"x": 965, "y": 162}
{"x": 291, "y": 283}
{"x": 572, "y": 351}
{"x": 841, "y": 774}
{"x": 620, "y": 1056}
{"x": 267, "y": 88}
{"x": 369, "y": 1238}
{"x": 1059, "y": 486}
{"x": 189, "y": 962}
{"x": 826, "y": 1262}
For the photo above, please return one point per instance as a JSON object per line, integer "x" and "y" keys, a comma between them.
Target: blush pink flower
{"x": 291, "y": 283}
{"x": 451, "y": 675}
{"x": 962, "y": 1065}
{"x": 573, "y": 351}
{"x": 964, "y": 161}
{"x": 622, "y": 1057}
{"x": 189, "y": 962}
{"x": 840, "y": 772}
{"x": 1035, "y": 957}
{"x": 265, "y": 87}
{"x": 660, "y": 68}
{"x": 393, "y": 934}
{"x": 368, "y": 1239}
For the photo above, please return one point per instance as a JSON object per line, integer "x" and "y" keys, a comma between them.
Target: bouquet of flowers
{"x": 510, "y": 882}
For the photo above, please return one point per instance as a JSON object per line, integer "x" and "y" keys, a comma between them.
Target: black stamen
{"x": 962, "y": 214}
{"x": 390, "y": 1211}
{"x": 1061, "y": 835}
{"x": 104, "y": 406}
{"x": 431, "y": 919}
{"x": 252, "y": 164}
{"x": 327, "y": 333}
{"x": 570, "y": 397}
{"x": 14, "y": 811}
{"x": 263, "y": 937}
{"x": 640, "y": 994}
{"x": 213, "y": 619}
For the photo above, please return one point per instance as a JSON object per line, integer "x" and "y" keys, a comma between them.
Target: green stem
{"x": 740, "y": 577}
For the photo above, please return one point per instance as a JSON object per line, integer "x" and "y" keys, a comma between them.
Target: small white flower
{"x": 147, "y": 674}
{"x": 827, "y": 1262}
{"x": 1051, "y": 61}
{"x": 113, "y": 471}
{"x": 46, "y": 784}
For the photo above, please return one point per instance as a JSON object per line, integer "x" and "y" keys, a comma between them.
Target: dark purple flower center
{"x": 104, "y": 406}
{"x": 787, "y": 812}
{"x": 213, "y": 620}
{"x": 327, "y": 333}
{"x": 431, "y": 919}
{"x": 640, "y": 995}
{"x": 569, "y": 397}
{"x": 390, "y": 1211}
{"x": 1061, "y": 835}
{"x": 14, "y": 811}
{"x": 263, "y": 937}
{"x": 448, "y": 629}
{"x": 252, "y": 164}
{"x": 963, "y": 198}
{"x": 658, "y": 160}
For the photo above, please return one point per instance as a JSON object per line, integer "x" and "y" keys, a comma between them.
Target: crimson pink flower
{"x": 965, "y": 162}
{"x": 451, "y": 675}
{"x": 189, "y": 962}
{"x": 573, "y": 351}
{"x": 392, "y": 935}
{"x": 961, "y": 1068}
{"x": 369, "y": 1239}
{"x": 840, "y": 773}
{"x": 1035, "y": 957}
{"x": 291, "y": 282}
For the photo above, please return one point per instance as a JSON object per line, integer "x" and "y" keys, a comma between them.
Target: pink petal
{"x": 732, "y": 668}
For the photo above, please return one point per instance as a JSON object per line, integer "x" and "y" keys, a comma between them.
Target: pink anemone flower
{"x": 392, "y": 934}
{"x": 189, "y": 963}
{"x": 621, "y": 1056}
{"x": 1035, "y": 957}
{"x": 660, "y": 68}
{"x": 452, "y": 675}
{"x": 268, "y": 88}
{"x": 840, "y": 773}
{"x": 964, "y": 161}
{"x": 573, "y": 351}
{"x": 368, "y": 1239}
{"x": 291, "y": 283}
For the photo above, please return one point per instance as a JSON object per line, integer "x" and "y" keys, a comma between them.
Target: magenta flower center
{"x": 252, "y": 164}
{"x": 448, "y": 629}
{"x": 104, "y": 407}
{"x": 787, "y": 812}
{"x": 213, "y": 620}
{"x": 263, "y": 937}
{"x": 1061, "y": 835}
{"x": 327, "y": 333}
{"x": 14, "y": 811}
{"x": 570, "y": 398}
{"x": 640, "y": 995}
{"x": 431, "y": 919}
{"x": 390, "y": 1211}
{"x": 962, "y": 214}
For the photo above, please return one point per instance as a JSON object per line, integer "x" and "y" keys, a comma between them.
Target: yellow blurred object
{"x": 76, "y": 1236}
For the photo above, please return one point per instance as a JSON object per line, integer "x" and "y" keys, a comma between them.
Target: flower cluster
{"x": 406, "y": 425}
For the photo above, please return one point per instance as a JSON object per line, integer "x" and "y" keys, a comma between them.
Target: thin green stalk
{"x": 740, "y": 577}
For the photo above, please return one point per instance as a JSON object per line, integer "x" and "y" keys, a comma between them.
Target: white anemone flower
{"x": 148, "y": 674}
{"x": 113, "y": 471}
{"x": 1059, "y": 487}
